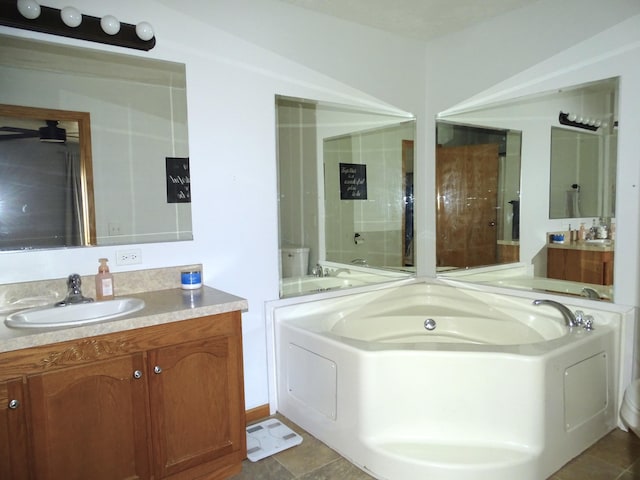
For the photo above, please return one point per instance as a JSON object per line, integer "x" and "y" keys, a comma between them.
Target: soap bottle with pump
{"x": 104, "y": 281}
{"x": 582, "y": 233}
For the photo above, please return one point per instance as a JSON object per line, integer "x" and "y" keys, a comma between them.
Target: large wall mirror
{"x": 345, "y": 184}
{"x": 477, "y": 196}
{"x": 583, "y": 173}
{"x": 568, "y": 179}
{"x": 123, "y": 117}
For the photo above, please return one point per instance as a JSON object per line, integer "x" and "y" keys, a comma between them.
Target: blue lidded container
{"x": 191, "y": 278}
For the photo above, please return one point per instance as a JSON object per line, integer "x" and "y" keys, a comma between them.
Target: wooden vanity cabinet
{"x": 196, "y": 424}
{"x": 162, "y": 402}
{"x": 90, "y": 421}
{"x": 585, "y": 266}
{"x": 13, "y": 431}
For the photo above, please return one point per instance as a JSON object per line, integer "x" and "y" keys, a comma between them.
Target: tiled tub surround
{"x": 403, "y": 407}
{"x": 164, "y": 302}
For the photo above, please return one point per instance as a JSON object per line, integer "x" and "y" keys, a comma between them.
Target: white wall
{"x": 231, "y": 85}
{"x": 240, "y": 53}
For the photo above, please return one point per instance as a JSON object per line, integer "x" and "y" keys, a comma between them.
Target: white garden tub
{"x": 499, "y": 389}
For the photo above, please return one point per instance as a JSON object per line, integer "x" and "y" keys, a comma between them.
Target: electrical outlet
{"x": 114, "y": 229}
{"x": 129, "y": 257}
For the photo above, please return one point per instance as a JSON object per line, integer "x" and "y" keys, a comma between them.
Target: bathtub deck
{"x": 615, "y": 457}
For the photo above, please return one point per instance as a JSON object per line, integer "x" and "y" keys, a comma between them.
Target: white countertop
{"x": 162, "y": 306}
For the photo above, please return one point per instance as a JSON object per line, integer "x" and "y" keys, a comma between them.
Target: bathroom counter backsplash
{"x": 164, "y": 300}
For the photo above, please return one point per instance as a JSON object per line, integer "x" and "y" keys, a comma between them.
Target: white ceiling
{"x": 418, "y": 19}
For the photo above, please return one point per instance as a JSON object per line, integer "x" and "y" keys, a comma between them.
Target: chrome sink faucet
{"x": 74, "y": 293}
{"x": 568, "y": 315}
{"x": 317, "y": 271}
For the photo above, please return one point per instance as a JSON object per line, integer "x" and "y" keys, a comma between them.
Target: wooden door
{"x": 197, "y": 406}
{"x": 466, "y": 188}
{"x": 90, "y": 421}
{"x": 13, "y": 431}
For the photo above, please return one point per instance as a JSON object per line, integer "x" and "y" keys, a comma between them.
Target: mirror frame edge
{"x": 86, "y": 164}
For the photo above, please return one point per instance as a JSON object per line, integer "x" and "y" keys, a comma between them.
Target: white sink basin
{"x": 599, "y": 241}
{"x": 73, "y": 315}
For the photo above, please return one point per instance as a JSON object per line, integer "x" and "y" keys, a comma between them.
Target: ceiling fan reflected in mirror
{"x": 52, "y": 132}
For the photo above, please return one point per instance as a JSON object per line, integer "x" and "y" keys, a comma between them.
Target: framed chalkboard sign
{"x": 353, "y": 181}
{"x": 178, "y": 181}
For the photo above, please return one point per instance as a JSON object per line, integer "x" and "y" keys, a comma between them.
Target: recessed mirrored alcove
{"x": 125, "y": 119}
{"x": 345, "y": 185}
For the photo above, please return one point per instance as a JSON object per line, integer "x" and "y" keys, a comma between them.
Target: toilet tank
{"x": 294, "y": 261}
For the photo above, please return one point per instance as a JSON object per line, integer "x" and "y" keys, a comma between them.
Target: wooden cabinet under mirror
{"x": 13, "y": 430}
{"x": 162, "y": 402}
{"x": 580, "y": 265}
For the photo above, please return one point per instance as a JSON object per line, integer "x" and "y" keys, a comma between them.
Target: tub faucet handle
{"x": 588, "y": 322}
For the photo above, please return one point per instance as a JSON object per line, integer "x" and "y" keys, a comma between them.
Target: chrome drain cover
{"x": 430, "y": 324}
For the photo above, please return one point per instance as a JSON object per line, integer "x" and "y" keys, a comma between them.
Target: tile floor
{"x": 615, "y": 457}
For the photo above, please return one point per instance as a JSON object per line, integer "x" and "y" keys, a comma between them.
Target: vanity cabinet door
{"x": 197, "y": 407}
{"x": 584, "y": 266}
{"x": 90, "y": 421}
{"x": 13, "y": 431}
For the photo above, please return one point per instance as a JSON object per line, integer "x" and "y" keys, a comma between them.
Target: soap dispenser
{"x": 104, "y": 281}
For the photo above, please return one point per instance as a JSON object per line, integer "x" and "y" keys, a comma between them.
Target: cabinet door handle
{"x": 13, "y": 404}
{"x": 157, "y": 369}
{"x": 137, "y": 374}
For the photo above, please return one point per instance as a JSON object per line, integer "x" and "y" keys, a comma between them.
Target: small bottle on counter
{"x": 582, "y": 233}
{"x": 104, "y": 281}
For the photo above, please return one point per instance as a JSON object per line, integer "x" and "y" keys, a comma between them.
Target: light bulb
{"x": 71, "y": 17}
{"x": 598, "y": 123}
{"x": 572, "y": 117}
{"x": 110, "y": 24}
{"x": 144, "y": 30}
{"x": 29, "y": 9}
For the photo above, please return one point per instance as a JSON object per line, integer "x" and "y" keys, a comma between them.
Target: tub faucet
{"x": 338, "y": 271}
{"x": 590, "y": 293}
{"x": 74, "y": 294}
{"x": 568, "y": 315}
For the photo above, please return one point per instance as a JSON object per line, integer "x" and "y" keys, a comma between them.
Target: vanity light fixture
{"x": 69, "y": 22}
{"x": 71, "y": 17}
{"x": 587, "y": 123}
{"x": 29, "y": 9}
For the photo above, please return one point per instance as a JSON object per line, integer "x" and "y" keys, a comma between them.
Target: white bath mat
{"x": 268, "y": 437}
